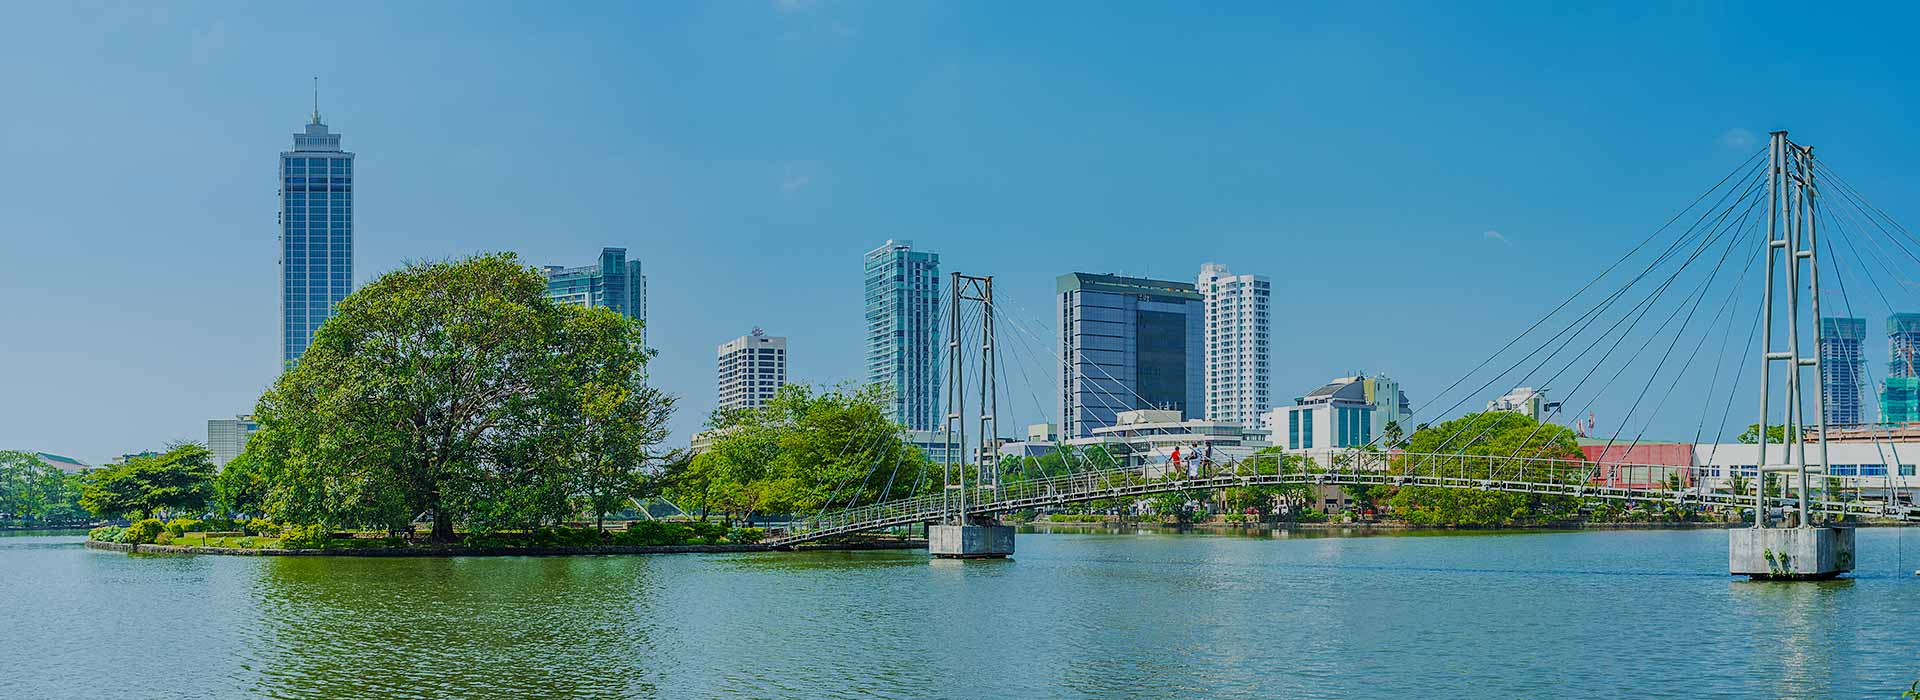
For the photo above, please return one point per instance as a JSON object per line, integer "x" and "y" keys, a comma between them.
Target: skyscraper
{"x": 1842, "y": 369}
{"x": 1237, "y": 341}
{"x": 751, "y": 368}
{"x": 903, "y": 330}
{"x": 614, "y": 282}
{"x": 1128, "y": 343}
{"x": 316, "y": 234}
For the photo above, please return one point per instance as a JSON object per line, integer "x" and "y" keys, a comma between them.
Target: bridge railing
{"x": 1550, "y": 475}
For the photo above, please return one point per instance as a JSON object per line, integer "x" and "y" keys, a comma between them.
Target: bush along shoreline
{"x": 264, "y": 538}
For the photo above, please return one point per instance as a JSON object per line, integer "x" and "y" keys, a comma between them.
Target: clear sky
{"x": 1420, "y": 180}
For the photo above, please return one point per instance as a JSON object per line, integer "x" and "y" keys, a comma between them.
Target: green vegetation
{"x": 1776, "y": 434}
{"x": 143, "y": 532}
{"x": 1491, "y": 434}
{"x": 179, "y": 480}
{"x": 33, "y": 492}
{"x": 106, "y": 533}
{"x": 456, "y": 391}
{"x": 804, "y": 451}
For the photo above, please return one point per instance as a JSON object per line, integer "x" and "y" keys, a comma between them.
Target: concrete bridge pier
{"x": 977, "y": 538}
{"x": 1790, "y": 553}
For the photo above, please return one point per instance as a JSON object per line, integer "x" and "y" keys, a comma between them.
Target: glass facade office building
{"x": 1842, "y": 370}
{"x": 614, "y": 283}
{"x": 903, "y": 331}
{"x": 316, "y": 235}
{"x": 1129, "y": 343}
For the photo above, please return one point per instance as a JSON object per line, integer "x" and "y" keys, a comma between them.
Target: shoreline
{"x": 871, "y": 545}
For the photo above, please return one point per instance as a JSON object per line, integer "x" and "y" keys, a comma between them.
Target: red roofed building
{"x": 1643, "y": 465}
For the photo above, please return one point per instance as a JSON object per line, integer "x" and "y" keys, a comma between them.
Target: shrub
{"x": 305, "y": 537}
{"x": 218, "y": 525}
{"x": 164, "y": 537}
{"x": 143, "y": 532}
{"x": 653, "y": 533}
{"x": 1077, "y": 518}
{"x": 181, "y": 526}
{"x": 564, "y": 537}
{"x": 108, "y": 533}
{"x": 487, "y": 539}
{"x": 746, "y": 535}
{"x": 261, "y": 527}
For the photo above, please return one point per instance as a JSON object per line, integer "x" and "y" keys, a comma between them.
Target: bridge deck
{"x": 1552, "y": 477}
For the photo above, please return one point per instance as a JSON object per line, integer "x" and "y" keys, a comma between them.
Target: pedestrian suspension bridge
{"x": 1722, "y": 303}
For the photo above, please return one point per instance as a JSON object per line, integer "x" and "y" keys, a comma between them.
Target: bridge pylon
{"x": 960, "y": 534}
{"x": 1790, "y": 547}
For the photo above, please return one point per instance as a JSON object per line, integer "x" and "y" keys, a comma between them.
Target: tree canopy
{"x": 1776, "y": 434}
{"x": 806, "y": 450}
{"x": 33, "y": 490}
{"x": 178, "y": 481}
{"x": 458, "y": 390}
{"x": 1493, "y": 433}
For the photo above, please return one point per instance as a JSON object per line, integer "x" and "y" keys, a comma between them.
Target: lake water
{"x": 1640, "y": 614}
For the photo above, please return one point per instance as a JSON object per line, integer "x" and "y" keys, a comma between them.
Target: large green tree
{"x": 178, "y": 481}
{"x": 456, "y": 390}
{"x": 1490, "y": 434}
{"x": 806, "y": 450}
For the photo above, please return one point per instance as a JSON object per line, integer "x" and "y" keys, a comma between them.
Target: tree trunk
{"x": 442, "y": 527}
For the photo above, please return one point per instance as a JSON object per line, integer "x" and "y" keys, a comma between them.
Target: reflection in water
{"x": 1149, "y": 614}
{"x": 465, "y": 627}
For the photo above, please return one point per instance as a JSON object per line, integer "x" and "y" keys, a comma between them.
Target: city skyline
{"x": 721, "y": 163}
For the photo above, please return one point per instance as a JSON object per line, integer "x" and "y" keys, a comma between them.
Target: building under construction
{"x": 1900, "y": 395}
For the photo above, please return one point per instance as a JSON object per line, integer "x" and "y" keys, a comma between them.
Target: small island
{"x": 452, "y": 408}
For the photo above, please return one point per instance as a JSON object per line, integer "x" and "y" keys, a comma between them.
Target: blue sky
{"x": 1420, "y": 180}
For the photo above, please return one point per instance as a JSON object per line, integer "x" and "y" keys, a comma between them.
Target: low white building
{"x": 1526, "y": 401}
{"x": 1346, "y": 413}
{"x": 1147, "y": 439}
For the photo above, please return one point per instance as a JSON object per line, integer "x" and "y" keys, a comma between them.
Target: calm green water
{"x": 1136, "y": 615}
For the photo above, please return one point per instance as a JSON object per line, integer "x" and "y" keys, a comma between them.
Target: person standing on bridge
{"x": 1193, "y": 461}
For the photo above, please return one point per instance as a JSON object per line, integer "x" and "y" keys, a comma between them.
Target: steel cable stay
{"x": 1846, "y": 303}
{"x": 1890, "y": 449}
{"x": 1751, "y": 168}
{"x": 1575, "y": 329}
{"x": 881, "y": 432}
{"x": 1070, "y": 456}
{"x": 1112, "y": 422}
{"x": 1726, "y": 311}
{"x": 1700, "y": 295}
{"x": 1642, "y": 309}
{"x": 1867, "y": 209}
{"x": 1637, "y": 313}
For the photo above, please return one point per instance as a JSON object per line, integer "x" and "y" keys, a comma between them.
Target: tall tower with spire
{"x": 316, "y": 233}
